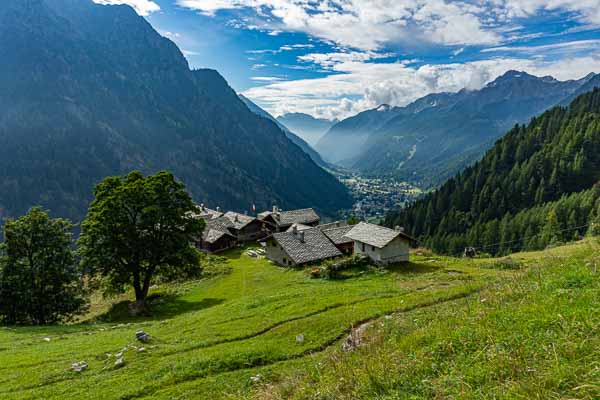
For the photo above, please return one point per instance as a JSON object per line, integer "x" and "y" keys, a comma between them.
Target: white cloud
{"x": 367, "y": 24}
{"x": 267, "y": 79}
{"x": 357, "y": 85}
{"x": 142, "y": 7}
{"x": 372, "y": 24}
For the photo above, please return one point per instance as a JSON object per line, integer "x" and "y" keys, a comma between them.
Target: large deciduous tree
{"x": 40, "y": 281}
{"x": 137, "y": 228}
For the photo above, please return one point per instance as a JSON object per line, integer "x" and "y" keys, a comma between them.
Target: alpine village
{"x": 292, "y": 199}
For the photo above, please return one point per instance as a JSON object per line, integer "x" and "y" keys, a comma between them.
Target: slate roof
{"x": 374, "y": 235}
{"x": 299, "y": 227}
{"x": 215, "y": 229}
{"x": 316, "y": 246}
{"x": 338, "y": 235}
{"x": 331, "y": 225}
{"x": 238, "y": 221}
{"x": 207, "y": 213}
{"x": 287, "y": 218}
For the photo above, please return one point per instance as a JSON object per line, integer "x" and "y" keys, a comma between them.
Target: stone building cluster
{"x": 297, "y": 237}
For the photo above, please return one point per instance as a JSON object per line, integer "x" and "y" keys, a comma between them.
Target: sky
{"x": 335, "y": 58}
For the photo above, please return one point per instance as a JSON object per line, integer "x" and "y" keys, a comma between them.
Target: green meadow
{"x": 439, "y": 327}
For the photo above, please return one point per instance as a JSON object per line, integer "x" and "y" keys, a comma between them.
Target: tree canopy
{"x": 136, "y": 228}
{"x": 504, "y": 198}
{"x": 40, "y": 282}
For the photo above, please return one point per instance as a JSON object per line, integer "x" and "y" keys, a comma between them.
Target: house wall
{"x": 347, "y": 249}
{"x": 396, "y": 251}
{"x": 251, "y": 232}
{"x": 225, "y": 243}
{"x": 276, "y": 254}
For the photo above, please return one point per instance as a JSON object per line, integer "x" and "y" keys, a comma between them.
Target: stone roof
{"x": 337, "y": 235}
{"x": 299, "y": 227}
{"x": 238, "y": 221}
{"x": 331, "y": 225}
{"x": 374, "y": 235}
{"x": 215, "y": 229}
{"x": 315, "y": 246}
{"x": 303, "y": 216}
{"x": 206, "y": 213}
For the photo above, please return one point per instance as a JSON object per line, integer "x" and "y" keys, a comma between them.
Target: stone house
{"x": 243, "y": 227}
{"x": 336, "y": 233}
{"x": 216, "y": 237}
{"x": 382, "y": 245}
{"x": 299, "y": 247}
{"x": 280, "y": 221}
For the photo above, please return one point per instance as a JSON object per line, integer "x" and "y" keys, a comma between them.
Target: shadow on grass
{"x": 159, "y": 307}
{"x": 413, "y": 268}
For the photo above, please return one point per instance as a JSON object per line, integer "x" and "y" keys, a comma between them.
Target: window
{"x": 363, "y": 246}
{"x": 372, "y": 248}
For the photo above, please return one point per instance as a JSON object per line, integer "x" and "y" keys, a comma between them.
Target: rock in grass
{"x": 300, "y": 338}
{"x": 119, "y": 362}
{"x": 142, "y": 336}
{"x": 255, "y": 378}
{"x": 79, "y": 366}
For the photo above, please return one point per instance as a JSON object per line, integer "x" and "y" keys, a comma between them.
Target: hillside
{"x": 308, "y": 127}
{"x": 437, "y": 136}
{"x": 291, "y": 135}
{"x": 92, "y": 90}
{"x": 537, "y": 186}
{"x": 248, "y": 331}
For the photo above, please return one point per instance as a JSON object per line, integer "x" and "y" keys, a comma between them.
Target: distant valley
{"x": 311, "y": 129}
{"x": 431, "y": 139}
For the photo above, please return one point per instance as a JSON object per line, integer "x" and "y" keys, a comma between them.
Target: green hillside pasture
{"x": 216, "y": 329}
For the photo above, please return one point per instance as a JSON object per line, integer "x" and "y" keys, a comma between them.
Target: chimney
{"x": 295, "y": 230}
{"x": 237, "y": 218}
{"x": 301, "y": 236}
{"x": 202, "y": 206}
{"x": 218, "y": 209}
{"x": 275, "y": 210}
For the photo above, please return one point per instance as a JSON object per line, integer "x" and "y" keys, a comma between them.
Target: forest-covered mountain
{"x": 291, "y": 135}
{"x": 538, "y": 185}
{"x": 435, "y": 137}
{"x": 306, "y": 126}
{"x": 90, "y": 90}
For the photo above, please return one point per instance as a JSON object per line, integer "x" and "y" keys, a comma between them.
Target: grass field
{"x": 439, "y": 328}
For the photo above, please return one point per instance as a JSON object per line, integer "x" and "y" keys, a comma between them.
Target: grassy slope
{"x": 217, "y": 333}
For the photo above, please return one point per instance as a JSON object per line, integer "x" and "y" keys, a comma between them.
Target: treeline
{"x": 520, "y": 188}
{"x": 137, "y": 229}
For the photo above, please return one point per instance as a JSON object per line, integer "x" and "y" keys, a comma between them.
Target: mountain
{"x": 538, "y": 185}
{"x": 291, "y": 135}
{"x": 431, "y": 139}
{"x": 92, "y": 90}
{"x": 306, "y": 126}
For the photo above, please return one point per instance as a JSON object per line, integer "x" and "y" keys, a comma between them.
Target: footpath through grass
{"x": 235, "y": 336}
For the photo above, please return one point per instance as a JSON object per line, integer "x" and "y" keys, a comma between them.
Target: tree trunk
{"x": 141, "y": 292}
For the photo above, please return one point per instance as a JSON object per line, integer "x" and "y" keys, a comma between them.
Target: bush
{"x": 331, "y": 269}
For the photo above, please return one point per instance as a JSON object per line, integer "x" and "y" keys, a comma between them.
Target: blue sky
{"x": 335, "y": 58}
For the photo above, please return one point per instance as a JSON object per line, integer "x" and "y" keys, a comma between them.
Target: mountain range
{"x": 438, "y": 135}
{"x": 93, "y": 90}
{"x": 306, "y": 126}
{"x": 316, "y": 157}
{"x": 538, "y": 185}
